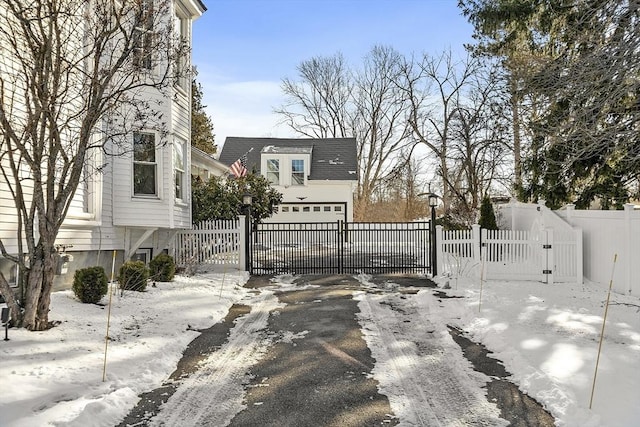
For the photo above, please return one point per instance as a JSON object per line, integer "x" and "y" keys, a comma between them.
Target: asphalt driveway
{"x": 317, "y": 369}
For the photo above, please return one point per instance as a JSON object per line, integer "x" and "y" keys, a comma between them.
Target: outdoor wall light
{"x": 247, "y": 199}
{"x": 433, "y": 200}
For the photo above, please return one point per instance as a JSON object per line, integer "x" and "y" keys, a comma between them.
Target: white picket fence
{"x": 541, "y": 254}
{"x": 219, "y": 242}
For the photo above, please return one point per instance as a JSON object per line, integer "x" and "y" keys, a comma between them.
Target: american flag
{"x": 239, "y": 167}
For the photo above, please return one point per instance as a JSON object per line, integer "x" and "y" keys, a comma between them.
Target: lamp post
{"x": 433, "y": 202}
{"x": 247, "y": 199}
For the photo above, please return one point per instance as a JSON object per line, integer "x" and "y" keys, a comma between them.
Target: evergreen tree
{"x": 221, "y": 198}
{"x": 202, "y": 136}
{"x": 578, "y": 73}
{"x": 487, "y": 215}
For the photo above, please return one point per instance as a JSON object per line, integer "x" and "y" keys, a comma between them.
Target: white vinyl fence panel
{"x": 608, "y": 235}
{"x": 458, "y": 250}
{"x": 539, "y": 254}
{"x": 217, "y": 242}
{"x": 509, "y": 254}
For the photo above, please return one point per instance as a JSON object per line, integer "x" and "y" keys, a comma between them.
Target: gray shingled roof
{"x": 332, "y": 158}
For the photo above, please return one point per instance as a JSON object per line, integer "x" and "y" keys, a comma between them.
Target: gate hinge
{"x": 546, "y": 246}
{"x": 546, "y": 271}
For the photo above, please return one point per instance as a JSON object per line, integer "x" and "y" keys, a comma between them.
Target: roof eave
{"x": 195, "y": 7}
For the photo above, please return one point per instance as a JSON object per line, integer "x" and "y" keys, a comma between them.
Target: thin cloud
{"x": 243, "y": 108}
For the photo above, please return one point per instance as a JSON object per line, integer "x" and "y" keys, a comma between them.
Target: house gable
{"x": 316, "y": 177}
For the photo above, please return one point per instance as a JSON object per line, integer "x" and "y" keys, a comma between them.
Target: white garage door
{"x": 308, "y": 212}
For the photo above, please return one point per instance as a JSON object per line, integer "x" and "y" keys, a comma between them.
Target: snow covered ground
{"x": 546, "y": 335}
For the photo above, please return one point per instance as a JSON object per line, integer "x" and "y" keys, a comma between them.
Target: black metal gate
{"x": 340, "y": 248}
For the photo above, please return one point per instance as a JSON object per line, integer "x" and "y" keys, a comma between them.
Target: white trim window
{"x": 297, "y": 172}
{"x": 145, "y": 166}
{"x": 181, "y": 29}
{"x": 86, "y": 200}
{"x": 143, "y": 36}
{"x": 178, "y": 169}
{"x": 273, "y": 171}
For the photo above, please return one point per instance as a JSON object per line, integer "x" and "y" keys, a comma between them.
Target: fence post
{"x": 482, "y": 243}
{"x": 243, "y": 241}
{"x": 579, "y": 257}
{"x": 439, "y": 248}
{"x": 549, "y": 254}
{"x": 570, "y": 210}
{"x": 341, "y": 242}
{"x": 475, "y": 236}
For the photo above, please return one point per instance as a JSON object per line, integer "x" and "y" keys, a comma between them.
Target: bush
{"x": 133, "y": 276}
{"x": 163, "y": 268}
{"x": 90, "y": 284}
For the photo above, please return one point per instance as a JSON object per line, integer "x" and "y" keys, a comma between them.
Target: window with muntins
{"x": 178, "y": 169}
{"x": 273, "y": 171}
{"x": 297, "y": 172}
{"x": 143, "y": 36}
{"x": 144, "y": 164}
{"x": 181, "y": 28}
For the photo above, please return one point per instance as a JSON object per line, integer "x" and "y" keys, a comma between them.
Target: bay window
{"x": 144, "y": 164}
{"x": 178, "y": 169}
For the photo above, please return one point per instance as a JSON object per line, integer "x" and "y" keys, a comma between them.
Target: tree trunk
{"x": 39, "y": 284}
{"x": 12, "y": 303}
{"x": 517, "y": 155}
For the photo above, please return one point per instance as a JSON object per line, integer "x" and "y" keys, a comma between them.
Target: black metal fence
{"x": 340, "y": 248}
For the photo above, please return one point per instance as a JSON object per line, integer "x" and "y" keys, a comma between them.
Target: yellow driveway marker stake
{"x": 604, "y": 321}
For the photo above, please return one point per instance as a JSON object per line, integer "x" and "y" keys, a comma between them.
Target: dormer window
{"x": 273, "y": 171}
{"x": 286, "y": 166}
{"x": 297, "y": 172}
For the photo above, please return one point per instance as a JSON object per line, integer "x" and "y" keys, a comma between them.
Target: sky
{"x": 243, "y": 49}
{"x": 547, "y": 337}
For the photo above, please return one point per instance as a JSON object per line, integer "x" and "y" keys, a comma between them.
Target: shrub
{"x": 133, "y": 276}
{"x": 163, "y": 268}
{"x": 90, "y": 284}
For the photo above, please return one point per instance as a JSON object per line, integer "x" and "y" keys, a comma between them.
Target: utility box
{"x": 5, "y": 313}
{"x": 5, "y": 316}
{"x": 62, "y": 266}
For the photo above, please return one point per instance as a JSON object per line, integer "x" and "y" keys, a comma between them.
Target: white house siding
{"x": 8, "y": 217}
{"x": 181, "y": 123}
{"x": 12, "y": 100}
{"x": 118, "y": 220}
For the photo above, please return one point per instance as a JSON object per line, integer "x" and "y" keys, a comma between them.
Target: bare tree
{"x": 480, "y": 154}
{"x": 76, "y": 78}
{"x": 331, "y": 100}
{"x": 434, "y": 88}
{"x": 319, "y": 105}
{"x": 398, "y": 199}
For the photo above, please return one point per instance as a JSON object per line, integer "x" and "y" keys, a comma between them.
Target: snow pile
{"x": 56, "y": 376}
{"x": 547, "y": 336}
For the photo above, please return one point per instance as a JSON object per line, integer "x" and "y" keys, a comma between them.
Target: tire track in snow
{"x": 424, "y": 375}
{"x": 214, "y": 394}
